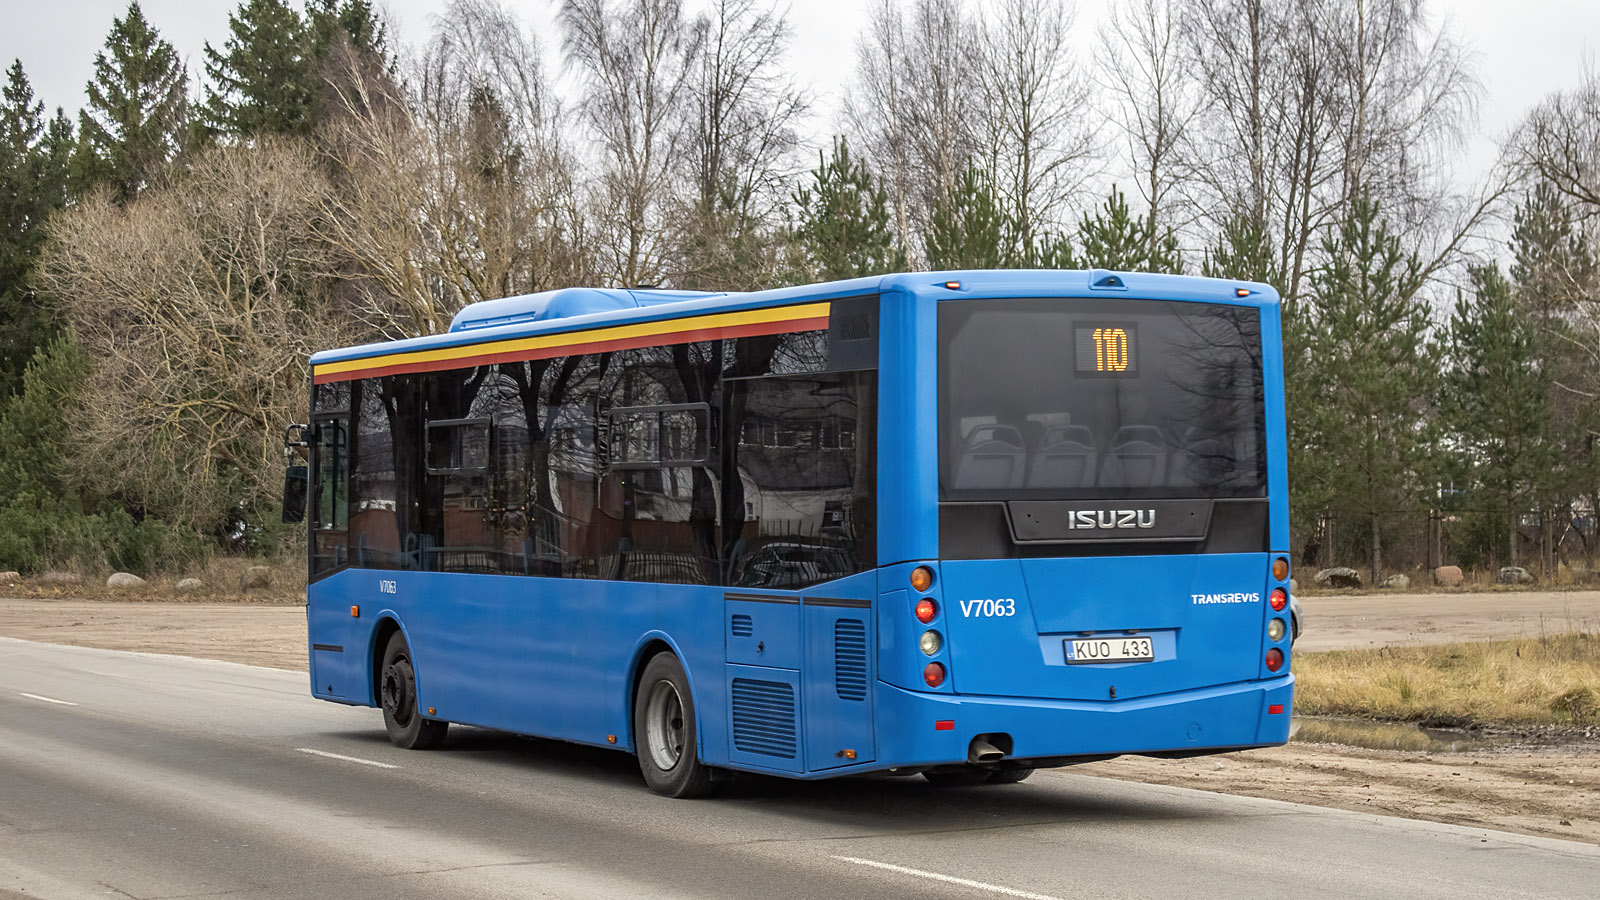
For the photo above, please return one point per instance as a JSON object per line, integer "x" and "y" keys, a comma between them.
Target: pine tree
{"x": 34, "y": 159}
{"x": 355, "y": 21}
{"x": 968, "y": 229}
{"x": 1360, "y": 426}
{"x": 1556, "y": 281}
{"x": 844, "y": 219}
{"x": 263, "y": 81}
{"x": 1113, "y": 239}
{"x": 137, "y": 114}
{"x": 1243, "y": 252}
{"x": 268, "y": 76}
{"x": 1497, "y": 396}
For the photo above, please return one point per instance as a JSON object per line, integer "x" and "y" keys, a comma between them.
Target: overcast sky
{"x": 1525, "y": 48}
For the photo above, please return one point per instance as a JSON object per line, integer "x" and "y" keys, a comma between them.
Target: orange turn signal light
{"x": 921, "y": 578}
{"x": 355, "y": 612}
{"x": 1280, "y": 568}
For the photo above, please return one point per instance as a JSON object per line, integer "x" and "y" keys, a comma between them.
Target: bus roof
{"x": 571, "y": 309}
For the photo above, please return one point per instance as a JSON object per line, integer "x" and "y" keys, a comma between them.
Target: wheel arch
{"x": 649, "y": 646}
{"x": 386, "y": 627}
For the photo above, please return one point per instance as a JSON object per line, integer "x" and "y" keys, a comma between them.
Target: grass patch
{"x": 1533, "y": 681}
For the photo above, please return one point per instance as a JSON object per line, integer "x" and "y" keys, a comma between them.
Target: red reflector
{"x": 1275, "y": 709}
{"x": 945, "y": 725}
{"x": 1274, "y": 659}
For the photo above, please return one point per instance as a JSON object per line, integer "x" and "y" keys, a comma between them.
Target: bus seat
{"x": 1067, "y": 457}
{"x": 1138, "y": 458}
{"x": 992, "y": 460}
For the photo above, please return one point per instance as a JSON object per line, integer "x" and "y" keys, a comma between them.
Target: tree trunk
{"x": 1376, "y": 562}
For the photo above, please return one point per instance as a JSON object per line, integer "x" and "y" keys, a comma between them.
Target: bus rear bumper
{"x": 923, "y": 729}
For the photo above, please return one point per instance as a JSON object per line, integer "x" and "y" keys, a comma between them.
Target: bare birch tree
{"x": 457, "y": 192}
{"x": 631, "y": 56}
{"x": 915, "y": 106}
{"x": 738, "y": 142}
{"x": 1149, "y": 92}
{"x": 1040, "y": 140}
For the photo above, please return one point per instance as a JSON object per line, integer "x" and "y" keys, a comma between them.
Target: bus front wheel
{"x": 664, "y": 731}
{"x": 397, "y": 693}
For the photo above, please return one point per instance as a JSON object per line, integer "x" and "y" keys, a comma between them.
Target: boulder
{"x": 1515, "y": 575}
{"x": 10, "y": 577}
{"x": 1294, "y": 586}
{"x": 255, "y": 577}
{"x": 1339, "y": 577}
{"x": 190, "y": 585}
{"x": 60, "y": 578}
{"x": 1448, "y": 576}
{"x": 123, "y": 580}
{"x": 1397, "y": 582}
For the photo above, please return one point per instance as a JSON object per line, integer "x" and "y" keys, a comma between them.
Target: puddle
{"x": 1393, "y": 735}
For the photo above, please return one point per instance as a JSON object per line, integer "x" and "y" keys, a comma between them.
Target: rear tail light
{"x": 1274, "y": 659}
{"x": 926, "y": 610}
{"x": 934, "y": 674}
{"x": 1279, "y": 599}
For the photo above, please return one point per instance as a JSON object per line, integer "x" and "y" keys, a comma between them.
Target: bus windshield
{"x": 1099, "y": 399}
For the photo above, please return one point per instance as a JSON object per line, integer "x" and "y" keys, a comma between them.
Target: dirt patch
{"x": 1545, "y": 782}
{"x": 256, "y": 634}
{"x": 1358, "y": 621}
{"x": 1552, "y": 792}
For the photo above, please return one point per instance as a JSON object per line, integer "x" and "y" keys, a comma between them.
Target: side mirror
{"x": 295, "y": 480}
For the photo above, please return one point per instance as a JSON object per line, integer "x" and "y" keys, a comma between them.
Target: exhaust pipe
{"x": 982, "y": 751}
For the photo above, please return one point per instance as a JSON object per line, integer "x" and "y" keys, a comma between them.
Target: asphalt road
{"x": 157, "y": 777}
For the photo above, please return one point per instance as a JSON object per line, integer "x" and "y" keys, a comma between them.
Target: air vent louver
{"x": 742, "y": 625}
{"x": 763, "y": 718}
{"x": 850, "y": 659}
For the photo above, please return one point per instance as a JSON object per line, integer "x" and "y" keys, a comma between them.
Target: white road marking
{"x": 364, "y": 762}
{"x": 947, "y": 879}
{"x": 46, "y": 699}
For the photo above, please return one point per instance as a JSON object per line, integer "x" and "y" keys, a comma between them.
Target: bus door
{"x": 330, "y": 494}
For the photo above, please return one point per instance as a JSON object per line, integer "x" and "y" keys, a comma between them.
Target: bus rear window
{"x": 1081, "y": 399}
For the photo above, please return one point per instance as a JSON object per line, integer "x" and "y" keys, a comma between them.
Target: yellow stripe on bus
{"x": 564, "y": 339}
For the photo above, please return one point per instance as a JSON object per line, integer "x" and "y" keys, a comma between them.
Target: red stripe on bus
{"x": 681, "y": 337}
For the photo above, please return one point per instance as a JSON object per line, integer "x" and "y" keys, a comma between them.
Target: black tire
{"x": 1008, "y": 776}
{"x": 397, "y": 694}
{"x": 665, "y": 734}
{"x": 966, "y": 776}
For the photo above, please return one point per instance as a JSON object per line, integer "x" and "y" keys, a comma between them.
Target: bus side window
{"x": 802, "y": 509}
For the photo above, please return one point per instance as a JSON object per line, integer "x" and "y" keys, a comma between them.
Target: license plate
{"x": 1127, "y": 648}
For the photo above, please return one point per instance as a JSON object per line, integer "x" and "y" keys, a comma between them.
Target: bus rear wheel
{"x": 1008, "y": 776}
{"x": 397, "y": 694}
{"x": 664, "y": 733}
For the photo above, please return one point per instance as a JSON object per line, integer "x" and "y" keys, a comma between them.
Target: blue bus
{"x": 962, "y": 524}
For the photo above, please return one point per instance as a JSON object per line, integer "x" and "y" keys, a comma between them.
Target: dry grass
{"x": 220, "y": 579}
{"x": 1551, "y": 680}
